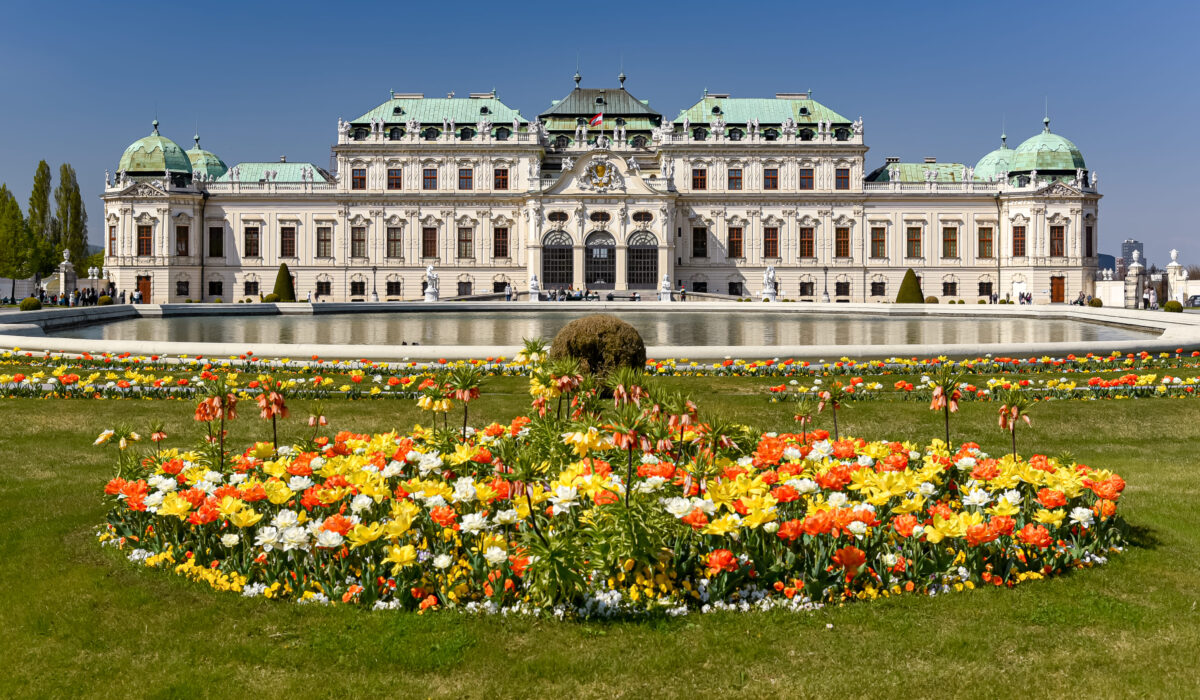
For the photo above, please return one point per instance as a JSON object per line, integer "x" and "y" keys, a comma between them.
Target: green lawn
{"x": 79, "y": 620}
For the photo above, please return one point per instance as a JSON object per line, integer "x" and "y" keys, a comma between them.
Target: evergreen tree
{"x": 284, "y": 286}
{"x": 41, "y": 258}
{"x": 910, "y": 290}
{"x": 13, "y": 244}
{"x": 71, "y": 216}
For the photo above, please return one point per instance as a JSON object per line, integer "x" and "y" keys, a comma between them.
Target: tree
{"x": 910, "y": 290}
{"x": 71, "y": 216}
{"x": 40, "y": 229}
{"x": 13, "y": 241}
{"x": 284, "y": 287}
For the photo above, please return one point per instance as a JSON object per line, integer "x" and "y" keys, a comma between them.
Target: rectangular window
{"x": 182, "y": 233}
{"x": 358, "y": 241}
{"x": 393, "y": 288}
{"x": 466, "y": 179}
{"x": 358, "y": 288}
{"x": 841, "y": 289}
{"x": 145, "y": 240}
{"x": 806, "y": 178}
{"x": 771, "y": 242}
{"x": 808, "y": 242}
{"x": 1018, "y": 243}
{"x": 878, "y": 289}
{"x": 287, "y": 242}
{"x": 358, "y": 179}
{"x": 949, "y": 242}
{"x": 735, "y": 289}
{"x": 770, "y": 178}
{"x": 429, "y": 242}
{"x": 736, "y": 247}
{"x": 500, "y": 243}
{"x": 250, "y": 289}
{"x": 1088, "y": 243}
{"x": 699, "y": 179}
{"x": 216, "y": 242}
{"x": 985, "y": 242}
{"x": 395, "y": 182}
{"x": 429, "y": 179}
{"x": 949, "y": 289}
{"x": 394, "y": 248}
{"x": 878, "y": 242}
{"x": 250, "y": 242}
{"x": 842, "y": 178}
{"x": 466, "y": 243}
{"x": 913, "y": 243}
{"x": 701, "y": 287}
{"x": 735, "y": 178}
{"x": 182, "y": 288}
{"x": 500, "y": 179}
{"x": 324, "y": 288}
{"x": 808, "y": 289}
{"x": 841, "y": 242}
{"x": 324, "y": 242}
{"x": 699, "y": 243}
{"x": 985, "y": 289}
{"x": 1058, "y": 241}
{"x": 216, "y": 288}
{"x": 112, "y": 240}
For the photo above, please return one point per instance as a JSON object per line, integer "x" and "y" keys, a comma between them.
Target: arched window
{"x": 806, "y": 134}
{"x": 736, "y": 134}
{"x": 639, "y": 141}
{"x": 699, "y": 133}
{"x": 600, "y": 261}
{"x": 641, "y": 261}
{"x": 395, "y": 133}
{"x": 503, "y": 133}
{"x": 771, "y": 134}
{"x": 557, "y": 260}
{"x": 466, "y": 133}
{"x": 842, "y": 134}
{"x": 430, "y": 134}
{"x": 360, "y": 134}
{"x": 561, "y": 142}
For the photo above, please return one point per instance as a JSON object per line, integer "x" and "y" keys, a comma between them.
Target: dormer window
{"x": 562, "y": 142}
{"x": 716, "y": 109}
{"x": 804, "y": 111}
{"x": 397, "y": 110}
{"x": 736, "y": 134}
{"x": 484, "y": 110}
{"x": 620, "y": 121}
{"x": 503, "y": 133}
{"x": 806, "y": 134}
{"x": 430, "y": 134}
{"x": 699, "y": 133}
{"x": 599, "y": 100}
{"x": 581, "y": 121}
{"x": 842, "y": 134}
{"x": 360, "y": 134}
{"x": 770, "y": 134}
{"x": 395, "y": 133}
{"x": 466, "y": 133}
{"x": 639, "y": 141}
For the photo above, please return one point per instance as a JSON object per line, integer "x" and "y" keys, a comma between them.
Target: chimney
{"x": 930, "y": 159}
{"x": 282, "y": 159}
{"x": 892, "y": 159}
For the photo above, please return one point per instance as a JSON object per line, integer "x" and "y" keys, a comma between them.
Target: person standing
{"x": 1146, "y": 298}
{"x": 508, "y": 292}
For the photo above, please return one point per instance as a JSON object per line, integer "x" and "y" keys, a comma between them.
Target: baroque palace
{"x": 601, "y": 192}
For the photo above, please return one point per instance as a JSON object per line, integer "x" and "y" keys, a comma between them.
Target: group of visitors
{"x": 1082, "y": 299}
{"x": 79, "y": 297}
{"x": 1149, "y": 298}
{"x": 571, "y": 294}
{"x": 1025, "y": 298}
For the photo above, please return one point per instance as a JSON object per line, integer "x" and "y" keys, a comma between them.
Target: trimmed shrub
{"x": 1173, "y": 306}
{"x": 1095, "y": 303}
{"x": 218, "y": 300}
{"x": 981, "y": 301}
{"x": 284, "y": 289}
{"x": 271, "y": 298}
{"x": 30, "y": 304}
{"x": 931, "y": 300}
{"x": 601, "y": 343}
{"x": 104, "y": 300}
{"x": 910, "y": 289}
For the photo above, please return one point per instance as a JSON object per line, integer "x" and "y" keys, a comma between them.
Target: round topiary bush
{"x": 931, "y": 300}
{"x": 271, "y": 298}
{"x": 1173, "y": 306}
{"x": 1095, "y": 303}
{"x": 601, "y": 343}
{"x": 30, "y": 304}
{"x": 104, "y": 300}
{"x": 910, "y": 289}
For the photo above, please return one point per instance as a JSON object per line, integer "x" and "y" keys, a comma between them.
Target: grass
{"x": 78, "y": 620}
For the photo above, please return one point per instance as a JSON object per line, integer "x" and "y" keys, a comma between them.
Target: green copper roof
{"x": 995, "y": 163}
{"x": 740, "y": 110}
{"x": 204, "y": 162}
{"x": 154, "y": 154}
{"x": 608, "y": 124}
{"x": 1047, "y": 152}
{"x": 585, "y": 102}
{"x": 915, "y": 172}
{"x": 287, "y": 172}
{"x": 461, "y": 111}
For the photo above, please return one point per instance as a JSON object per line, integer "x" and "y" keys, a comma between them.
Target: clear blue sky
{"x": 82, "y": 80}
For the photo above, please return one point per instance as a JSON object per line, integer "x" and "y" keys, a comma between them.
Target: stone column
{"x": 1135, "y": 282}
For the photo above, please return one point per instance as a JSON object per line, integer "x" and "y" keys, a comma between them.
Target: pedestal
{"x": 67, "y": 281}
{"x": 431, "y": 294}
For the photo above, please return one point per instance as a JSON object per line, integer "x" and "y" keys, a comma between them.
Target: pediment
{"x": 143, "y": 189}
{"x": 1059, "y": 189}
{"x": 601, "y": 172}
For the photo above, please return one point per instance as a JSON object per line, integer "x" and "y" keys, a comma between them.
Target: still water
{"x": 675, "y": 328}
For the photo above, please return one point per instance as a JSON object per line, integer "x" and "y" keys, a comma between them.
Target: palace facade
{"x": 709, "y": 199}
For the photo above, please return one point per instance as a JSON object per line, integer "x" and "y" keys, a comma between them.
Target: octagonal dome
{"x": 1047, "y": 152}
{"x": 154, "y": 154}
{"x": 995, "y": 163}
{"x": 205, "y": 162}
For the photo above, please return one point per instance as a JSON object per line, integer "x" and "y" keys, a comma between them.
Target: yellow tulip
{"x": 364, "y": 534}
{"x": 246, "y": 517}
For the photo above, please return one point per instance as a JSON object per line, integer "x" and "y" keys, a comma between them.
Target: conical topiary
{"x": 910, "y": 290}
{"x": 284, "y": 288}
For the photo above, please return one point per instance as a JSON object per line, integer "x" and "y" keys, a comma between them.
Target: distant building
{"x": 602, "y": 192}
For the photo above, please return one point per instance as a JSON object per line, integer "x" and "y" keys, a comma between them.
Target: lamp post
{"x": 374, "y": 286}
{"x": 825, "y": 294}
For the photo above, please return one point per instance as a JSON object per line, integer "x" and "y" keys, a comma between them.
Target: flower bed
{"x": 611, "y": 510}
